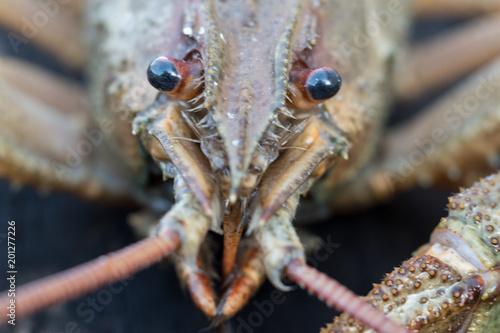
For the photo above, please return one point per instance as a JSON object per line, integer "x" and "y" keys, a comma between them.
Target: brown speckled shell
{"x": 429, "y": 295}
{"x": 475, "y": 215}
{"x": 423, "y": 293}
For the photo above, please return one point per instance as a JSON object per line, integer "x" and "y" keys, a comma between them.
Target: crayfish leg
{"x": 448, "y": 57}
{"x": 48, "y": 139}
{"x": 63, "y": 26}
{"x": 454, "y": 8}
{"x": 454, "y": 143}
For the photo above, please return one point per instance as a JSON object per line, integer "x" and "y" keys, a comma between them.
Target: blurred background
{"x": 56, "y": 231}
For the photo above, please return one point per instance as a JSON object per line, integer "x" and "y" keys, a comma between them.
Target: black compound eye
{"x": 163, "y": 74}
{"x": 323, "y": 83}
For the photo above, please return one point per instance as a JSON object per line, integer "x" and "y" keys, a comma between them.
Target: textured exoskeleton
{"x": 451, "y": 284}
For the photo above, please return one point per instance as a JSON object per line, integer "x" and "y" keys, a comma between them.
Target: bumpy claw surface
{"x": 452, "y": 284}
{"x": 423, "y": 293}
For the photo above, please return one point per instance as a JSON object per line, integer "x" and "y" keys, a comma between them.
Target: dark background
{"x": 57, "y": 231}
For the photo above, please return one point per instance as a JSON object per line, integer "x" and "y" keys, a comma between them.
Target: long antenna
{"x": 334, "y": 294}
{"x": 87, "y": 277}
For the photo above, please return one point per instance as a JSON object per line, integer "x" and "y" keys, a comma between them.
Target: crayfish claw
{"x": 200, "y": 288}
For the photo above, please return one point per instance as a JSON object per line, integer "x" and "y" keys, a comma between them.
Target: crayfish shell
{"x": 452, "y": 284}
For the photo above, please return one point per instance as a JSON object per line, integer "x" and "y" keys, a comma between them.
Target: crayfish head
{"x": 240, "y": 122}
{"x": 248, "y": 91}
{"x": 246, "y": 123}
